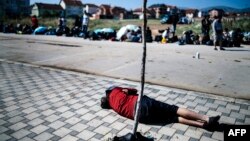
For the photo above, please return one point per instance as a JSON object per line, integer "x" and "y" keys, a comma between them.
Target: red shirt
{"x": 122, "y": 103}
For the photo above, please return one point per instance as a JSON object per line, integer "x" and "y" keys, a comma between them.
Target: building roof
{"x": 73, "y": 2}
{"x": 49, "y": 6}
{"x": 118, "y": 8}
{"x": 90, "y": 5}
{"x": 149, "y": 11}
{"x": 191, "y": 10}
{"x": 105, "y": 6}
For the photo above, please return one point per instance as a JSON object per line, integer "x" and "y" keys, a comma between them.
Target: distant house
{"x": 72, "y": 7}
{"x": 160, "y": 9}
{"x": 91, "y": 8}
{"x": 118, "y": 12}
{"x": 191, "y": 13}
{"x": 104, "y": 12}
{"x": 139, "y": 12}
{"x": 46, "y": 10}
{"x": 14, "y": 8}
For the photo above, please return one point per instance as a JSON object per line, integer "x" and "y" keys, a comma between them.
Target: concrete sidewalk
{"x": 223, "y": 73}
{"x": 38, "y": 103}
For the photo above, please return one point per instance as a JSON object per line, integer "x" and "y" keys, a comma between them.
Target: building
{"x": 139, "y": 12}
{"x": 14, "y": 8}
{"x": 161, "y": 9}
{"x": 118, "y": 12}
{"x": 191, "y": 13}
{"x": 92, "y": 9}
{"x": 104, "y": 12}
{"x": 72, "y": 7}
{"x": 46, "y": 10}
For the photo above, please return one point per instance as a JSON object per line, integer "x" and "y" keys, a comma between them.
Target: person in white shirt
{"x": 85, "y": 22}
{"x": 217, "y": 32}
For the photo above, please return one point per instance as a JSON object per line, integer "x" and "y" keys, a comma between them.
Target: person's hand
{"x": 125, "y": 91}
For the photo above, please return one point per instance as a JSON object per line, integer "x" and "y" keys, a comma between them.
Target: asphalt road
{"x": 224, "y": 73}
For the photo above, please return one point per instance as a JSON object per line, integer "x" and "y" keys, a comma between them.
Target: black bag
{"x": 132, "y": 137}
{"x": 158, "y": 38}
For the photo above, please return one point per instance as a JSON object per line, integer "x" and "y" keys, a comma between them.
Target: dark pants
{"x": 153, "y": 111}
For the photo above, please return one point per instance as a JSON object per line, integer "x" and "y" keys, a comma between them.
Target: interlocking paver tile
{"x": 118, "y": 125}
{"x": 95, "y": 123}
{"x": 67, "y": 114}
{"x": 69, "y": 138}
{"x": 79, "y": 127}
{"x": 57, "y": 124}
{"x": 29, "y": 110}
{"x": 167, "y": 131}
{"x": 73, "y": 120}
{"x": 88, "y": 116}
{"x": 27, "y": 139}
{"x": 81, "y": 111}
{"x": 218, "y": 136}
{"x": 237, "y": 115}
{"x": 86, "y": 135}
{"x": 204, "y": 138}
{"x": 15, "y": 119}
{"x": 233, "y": 107}
{"x": 193, "y": 133}
{"x": 39, "y": 129}
{"x": 18, "y": 126}
{"x": 102, "y": 130}
{"x": 179, "y": 126}
{"x": 43, "y": 137}
{"x": 4, "y": 137}
{"x": 11, "y": 108}
{"x": 20, "y": 134}
{"x": 61, "y": 132}
{"x": 178, "y": 137}
{"x": 32, "y": 115}
{"x": 52, "y": 118}
{"x": 102, "y": 113}
{"x": 63, "y": 109}
{"x": 110, "y": 119}
{"x": 35, "y": 121}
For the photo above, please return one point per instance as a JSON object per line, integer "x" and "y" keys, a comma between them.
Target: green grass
{"x": 117, "y": 24}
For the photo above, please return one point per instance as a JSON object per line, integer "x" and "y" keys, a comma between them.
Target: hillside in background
{"x": 227, "y": 9}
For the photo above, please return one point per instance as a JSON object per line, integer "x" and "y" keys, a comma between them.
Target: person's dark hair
{"x": 105, "y": 103}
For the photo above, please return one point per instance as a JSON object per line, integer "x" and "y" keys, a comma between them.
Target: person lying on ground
{"x": 123, "y": 101}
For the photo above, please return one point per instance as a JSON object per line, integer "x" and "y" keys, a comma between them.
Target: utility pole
{"x": 138, "y": 105}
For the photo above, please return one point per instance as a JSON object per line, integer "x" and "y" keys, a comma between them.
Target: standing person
{"x": 175, "y": 19}
{"x": 124, "y": 100}
{"x": 217, "y": 32}
{"x": 62, "y": 22}
{"x": 77, "y": 22}
{"x": 85, "y": 22}
{"x": 205, "y": 25}
{"x": 34, "y": 22}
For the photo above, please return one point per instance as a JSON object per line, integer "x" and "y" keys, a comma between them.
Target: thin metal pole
{"x": 138, "y": 107}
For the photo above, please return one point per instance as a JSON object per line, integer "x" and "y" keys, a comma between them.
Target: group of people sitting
{"x": 127, "y": 34}
{"x": 232, "y": 38}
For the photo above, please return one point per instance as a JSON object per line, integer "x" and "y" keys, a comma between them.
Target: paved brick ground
{"x": 46, "y": 104}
